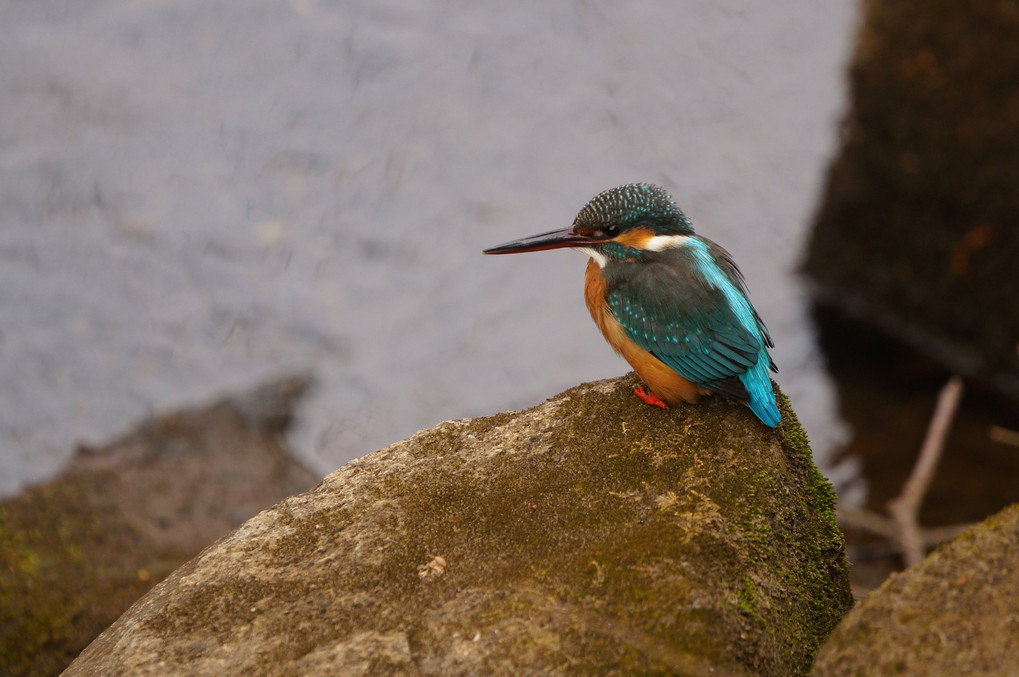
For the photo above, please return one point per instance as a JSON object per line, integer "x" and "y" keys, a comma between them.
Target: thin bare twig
{"x": 879, "y": 525}
{"x": 905, "y": 508}
{"x": 866, "y": 520}
{"x": 1004, "y": 435}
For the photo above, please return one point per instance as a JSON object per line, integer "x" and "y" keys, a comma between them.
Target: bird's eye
{"x": 612, "y": 230}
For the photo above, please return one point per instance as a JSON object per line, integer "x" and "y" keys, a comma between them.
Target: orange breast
{"x": 662, "y": 380}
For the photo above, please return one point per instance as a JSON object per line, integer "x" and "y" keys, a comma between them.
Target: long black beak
{"x": 554, "y": 239}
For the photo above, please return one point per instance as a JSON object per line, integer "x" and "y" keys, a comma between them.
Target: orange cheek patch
{"x": 635, "y": 238}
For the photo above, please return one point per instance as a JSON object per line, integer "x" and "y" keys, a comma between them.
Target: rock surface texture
{"x": 955, "y": 613}
{"x": 589, "y": 534}
{"x": 76, "y": 551}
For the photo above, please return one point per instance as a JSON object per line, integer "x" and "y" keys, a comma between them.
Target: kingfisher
{"x": 671, "y": 302}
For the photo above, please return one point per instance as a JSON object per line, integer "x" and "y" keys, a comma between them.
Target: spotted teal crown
{"x": 634, "y": 204}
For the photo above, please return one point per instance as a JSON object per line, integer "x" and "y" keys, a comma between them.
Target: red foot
{"x": 648, "y": 397}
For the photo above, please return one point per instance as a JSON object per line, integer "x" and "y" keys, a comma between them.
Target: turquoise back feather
{"x": 688, "y": 306}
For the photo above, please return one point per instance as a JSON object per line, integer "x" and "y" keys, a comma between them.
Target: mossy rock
{"x": 952, "y": 614}
{"x": 589, "y": 534}
{"x": 77, "y": 551}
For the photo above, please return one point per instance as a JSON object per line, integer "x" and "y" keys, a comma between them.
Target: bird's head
{"x": 619, "y": 223}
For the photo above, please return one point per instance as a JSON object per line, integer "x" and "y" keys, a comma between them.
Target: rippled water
{"x": 195, "y": 194}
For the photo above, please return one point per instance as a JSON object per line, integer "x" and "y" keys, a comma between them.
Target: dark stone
{"x": 917, "y": 231}
{"x": 76, "y": 551}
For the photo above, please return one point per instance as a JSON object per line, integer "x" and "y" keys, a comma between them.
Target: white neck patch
{"x": 599, "y": 258}
{"x": 662, "y": 242}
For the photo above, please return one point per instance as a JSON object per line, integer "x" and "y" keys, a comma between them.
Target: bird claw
{"x": 648, "y": 397}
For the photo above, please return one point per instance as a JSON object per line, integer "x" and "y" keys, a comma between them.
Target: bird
{"x": 671, "y": 302}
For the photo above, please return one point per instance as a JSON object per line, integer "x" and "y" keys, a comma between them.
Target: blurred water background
{"x": 195, "y": 195}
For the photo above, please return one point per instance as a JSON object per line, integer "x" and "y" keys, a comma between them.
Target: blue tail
{"x": 762, "y": 396}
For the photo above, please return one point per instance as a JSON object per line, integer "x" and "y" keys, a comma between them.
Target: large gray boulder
{"x": 589, "y": 534}
{"x": 955, "y": 613}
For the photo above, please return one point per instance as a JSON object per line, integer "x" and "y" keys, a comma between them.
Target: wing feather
{"x": 687, "y": 324}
